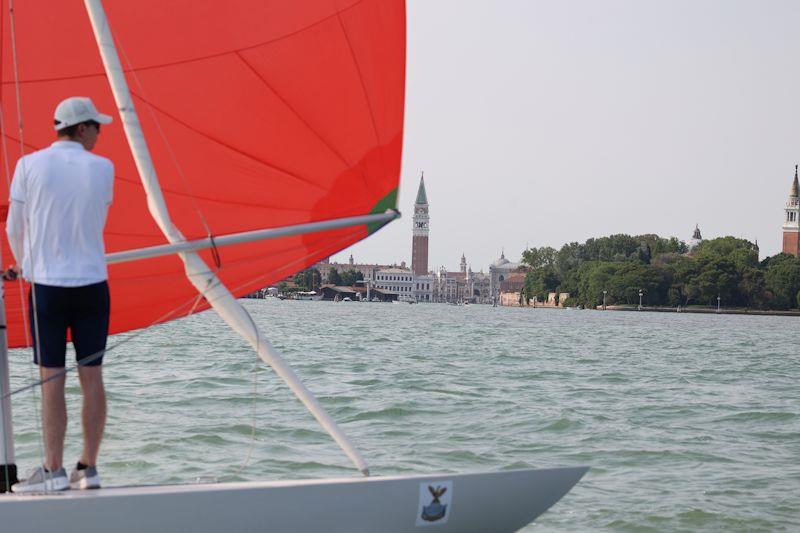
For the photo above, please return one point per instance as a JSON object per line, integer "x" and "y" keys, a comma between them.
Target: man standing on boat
{"x": 59, "y": 202}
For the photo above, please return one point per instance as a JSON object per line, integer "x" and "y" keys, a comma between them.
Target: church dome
{"x": 502, "y": 261}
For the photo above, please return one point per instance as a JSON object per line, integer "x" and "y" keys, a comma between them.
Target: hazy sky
{"x": 545, "y": 122}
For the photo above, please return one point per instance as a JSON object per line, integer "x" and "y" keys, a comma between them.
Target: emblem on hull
{"x": 435, "y": 511}
{"x": 435, "y": 502}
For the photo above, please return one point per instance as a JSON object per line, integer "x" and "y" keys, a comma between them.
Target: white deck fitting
{"x": 481, "y": 503}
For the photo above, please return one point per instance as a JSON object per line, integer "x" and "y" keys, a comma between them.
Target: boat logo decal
{"x": 435, "y": 502}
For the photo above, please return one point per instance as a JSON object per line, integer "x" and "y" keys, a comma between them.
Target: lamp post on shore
{"x": 640, "y": 299}
{"x": 719, "y": 298}
{"x": 605, "y": 291}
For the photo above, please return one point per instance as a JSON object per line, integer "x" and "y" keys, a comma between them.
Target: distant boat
{"x": 308, "y": 295}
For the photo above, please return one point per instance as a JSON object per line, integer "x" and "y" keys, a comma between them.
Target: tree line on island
{"x": 311, "y": 279}
{"x": 666, "y": 271}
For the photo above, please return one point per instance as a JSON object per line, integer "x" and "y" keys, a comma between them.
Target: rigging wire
{"x": 165, "y": 141}
{"x": 253, "y": 423}
{"x": 37, "y": 409}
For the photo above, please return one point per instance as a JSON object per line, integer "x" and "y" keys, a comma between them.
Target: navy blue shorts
{"x": 81, "y": 310}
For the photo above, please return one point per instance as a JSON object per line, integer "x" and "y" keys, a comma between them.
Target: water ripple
{"x": 690, "y": 422}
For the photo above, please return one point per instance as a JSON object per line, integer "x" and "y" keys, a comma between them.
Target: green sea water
{"x": 689, "y": 422}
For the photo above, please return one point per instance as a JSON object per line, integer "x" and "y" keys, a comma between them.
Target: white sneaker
{"x": 40, "y": 480}
{"x": 87, "y": 478}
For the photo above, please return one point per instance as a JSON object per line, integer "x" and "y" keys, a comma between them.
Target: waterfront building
{"x": 400, "y": 281}
{"x": 448, "y": 286}
{"x": 512, "y": 289}
{"x": 478, "y": 285}
{"x": 694, "y": 242}
{"x": 418, "y": 284}
{"x": 498, "y": 272}
{"x": 421, "y": 229}
{"x": 696, "y": 239}
{"x": 791, "y": 221}
{"x": 423, "y": 288}
{"x": 461, "y": 286}
{"x": 366, "y": 269}
{"x": 513, "y": 282}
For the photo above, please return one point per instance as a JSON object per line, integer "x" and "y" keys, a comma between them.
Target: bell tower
{"x": 791, "y": 222}
{"x": 419, "y": 245}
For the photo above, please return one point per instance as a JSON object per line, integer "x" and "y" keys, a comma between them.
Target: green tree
{"x": 593, "y": 279}
{"x": 334, "y": 277}
{"x": 309, "y": 279}
{"x": 724, "y": 247}
{"x": 621, "y": 280}
{"x": 631, "y": 277}
{"x": 659, "y": 245}
{"x": 674, "y": 269}
{"x": 540, "y": 282}
{"x": 539, "y": 257}
{"x": 568, "y": 259}
{"x": 752, "y": 287}
{"x": 621, "y": 264}
{"x": 716, "y": 277}
{"x": 782, "y": 281}
{"x": 350, "y": 277}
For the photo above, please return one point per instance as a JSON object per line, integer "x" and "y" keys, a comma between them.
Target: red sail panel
{"x": 258, "y": 113}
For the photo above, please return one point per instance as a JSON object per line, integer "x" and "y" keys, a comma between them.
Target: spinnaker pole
{"x": 249, "y": 236}
{"x": 201, "y": 276}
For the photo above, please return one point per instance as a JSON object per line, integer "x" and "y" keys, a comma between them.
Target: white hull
{"x": 480, "y": 503}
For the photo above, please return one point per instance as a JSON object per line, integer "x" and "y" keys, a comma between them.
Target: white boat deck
{"x": 480, "y": 503}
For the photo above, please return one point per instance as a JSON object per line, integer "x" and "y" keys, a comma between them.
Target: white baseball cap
{"x": 77, "y": 109}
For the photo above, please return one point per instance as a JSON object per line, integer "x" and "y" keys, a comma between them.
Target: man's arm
{"x": 15, "y": 223}
{"x": 15, "y": 229}
{"x": 110, "y": 178}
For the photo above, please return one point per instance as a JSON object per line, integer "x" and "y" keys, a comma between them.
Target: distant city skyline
{"x": 543, "y": 123}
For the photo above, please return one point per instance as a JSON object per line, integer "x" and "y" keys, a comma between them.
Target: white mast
{"x": 201, "y": 276}
{"x": 8, "y": 467}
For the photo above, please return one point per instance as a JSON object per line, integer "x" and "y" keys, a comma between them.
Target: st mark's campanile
{"x": 419, "y": 245}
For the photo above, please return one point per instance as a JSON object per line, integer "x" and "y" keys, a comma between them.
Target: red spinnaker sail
{"x": 258, "y": 113}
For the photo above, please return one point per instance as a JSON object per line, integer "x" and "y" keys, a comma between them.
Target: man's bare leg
{"x": 54, "y": 417}
{"x": 93, "y": 414}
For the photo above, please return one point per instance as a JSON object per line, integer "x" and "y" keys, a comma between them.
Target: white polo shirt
{"x": 59, "y": 202}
